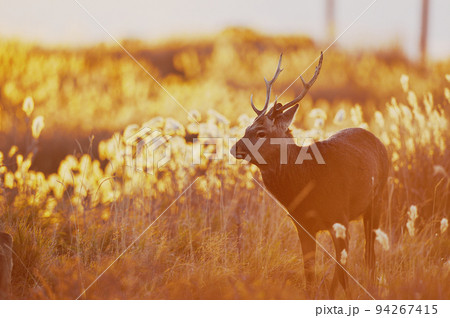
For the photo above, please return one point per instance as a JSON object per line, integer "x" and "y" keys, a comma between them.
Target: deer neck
{"x": 282, "y": 179}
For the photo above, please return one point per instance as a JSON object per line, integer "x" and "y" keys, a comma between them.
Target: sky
{"x": 386, "y": 22}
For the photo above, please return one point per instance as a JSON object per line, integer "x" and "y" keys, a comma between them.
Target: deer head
{"x": 257, "y": 145}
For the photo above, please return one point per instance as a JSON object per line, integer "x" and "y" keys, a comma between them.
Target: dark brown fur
{"x": 5, "y": 264}
{"x": 348, "y": 185}
{"x": 345, "y": 183}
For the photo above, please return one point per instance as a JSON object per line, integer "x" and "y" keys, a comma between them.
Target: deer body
{"x": 5, "y": 264}
{"x": 342, "y": 188}
{"x": 347, "y": 185}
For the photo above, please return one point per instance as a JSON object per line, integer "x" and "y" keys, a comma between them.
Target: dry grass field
{"x": 73, "y": 205}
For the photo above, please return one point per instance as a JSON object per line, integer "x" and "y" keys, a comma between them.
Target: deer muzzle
{"x": 238, "y": 150}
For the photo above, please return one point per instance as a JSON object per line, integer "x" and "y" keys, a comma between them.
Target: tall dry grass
{"x": 224, "y": 238}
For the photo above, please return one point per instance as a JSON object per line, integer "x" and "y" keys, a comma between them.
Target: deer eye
{"x": 261, "y": 134}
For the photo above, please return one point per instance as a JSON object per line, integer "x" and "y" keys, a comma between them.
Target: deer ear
{"x": 285, "y": 119}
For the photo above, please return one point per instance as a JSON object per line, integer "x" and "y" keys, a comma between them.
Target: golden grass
{"x": 224, "y": 238}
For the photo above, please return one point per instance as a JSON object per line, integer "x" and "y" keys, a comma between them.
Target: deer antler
{"x": 268, "y": 90}
{"x": 278, "y": 108}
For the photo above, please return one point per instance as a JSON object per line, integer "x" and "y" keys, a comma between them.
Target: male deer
{"x": 349, "y": 184}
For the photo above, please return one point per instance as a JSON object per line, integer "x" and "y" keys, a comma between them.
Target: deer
{"x": 318, "y": 196}
{"x": 6, "y": 264}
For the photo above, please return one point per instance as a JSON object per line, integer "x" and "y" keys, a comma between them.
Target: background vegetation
{"x": 73, "y": 205}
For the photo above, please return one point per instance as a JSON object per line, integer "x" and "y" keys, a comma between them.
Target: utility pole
{"x": 424, "y": 30}
{"x": 330, "y": 19}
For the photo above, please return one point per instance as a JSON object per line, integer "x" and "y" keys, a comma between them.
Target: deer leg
{"x": 340, "y": 274}
{"x": 371, "y": 222}
{"x": 309, "y": 257}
